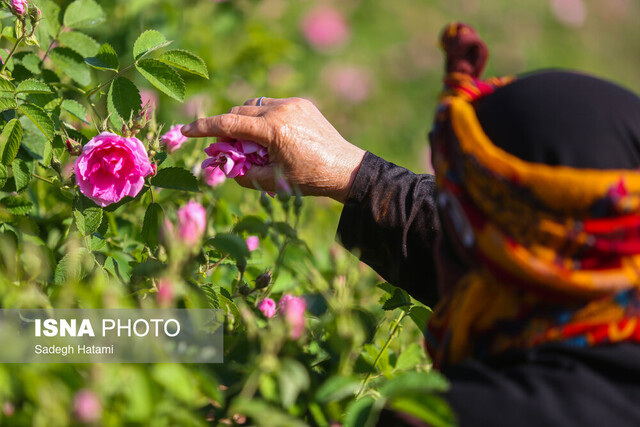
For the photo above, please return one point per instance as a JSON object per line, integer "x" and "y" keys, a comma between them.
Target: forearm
{"x": 389, "y": 220}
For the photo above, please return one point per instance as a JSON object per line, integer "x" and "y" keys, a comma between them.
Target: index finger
{"x": 230, "y": 126}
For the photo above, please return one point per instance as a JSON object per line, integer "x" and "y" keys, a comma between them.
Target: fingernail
{"x": 186, "y": 128}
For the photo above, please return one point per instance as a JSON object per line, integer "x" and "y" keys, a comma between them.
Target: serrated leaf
{"x": 186, "y": 61}
{"x": 410, "y": 357}
{"x": 16, "y": 205}
{"x": 149, "y": 268}
{"x": 88, "y": 215}
{"x": 40, "y": 118}
{"x": 231, "y": 244}
{"x": 3, "y": 175}
{"x": 420, "y": 316}
{"x": 73, "y": 266}
{"x": 80, "y": 42}
{"x": 359, "y": 411}
{"x": 212, "y": 296}
{"x": 400, "y": 298}
{"x": 7, "y": 104}
{"x": 105, "y": 59}
{"x": 123, "y": 98}
{"x": 72, "y": 64}
{"x": 6, "y": 86}
{"x": 50, "y": 21}
{"x": 153, "y": 218}
{"x": 33, "y": 86}
{"x": 147, "y": 42}
{"x": 175, "y": 178}
{"x": 10, "y": 141}
{"x": 32, "y": 40}
{"x": 75, "y": 108}
{"x": 162, "y": 77}
{"x": 83, "y": 14}
{"x": 21, "y": 174}
{"x": 31, "y": 62}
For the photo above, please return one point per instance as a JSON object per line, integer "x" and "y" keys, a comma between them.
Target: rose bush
{"x": 100, "y": 209}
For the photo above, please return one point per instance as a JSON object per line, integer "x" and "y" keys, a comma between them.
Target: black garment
{"x": 564, "y": 118}
{"x": 389, "y": 218}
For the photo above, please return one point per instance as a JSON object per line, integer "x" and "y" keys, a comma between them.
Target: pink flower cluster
{"x": 235, "y": 158}
{"x": 325, "y": 28}
{"x": 112, "y": 167}
{"x": 86, "y": 406}
{"x": 173, "y": 139}
{"x": 292, "y": 308}
{"x": 20, "y": 6}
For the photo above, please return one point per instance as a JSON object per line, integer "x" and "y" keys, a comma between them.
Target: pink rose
{"x": 268, "y": 307}
{"x": 192, "y": 222}
{"x": 111, "y": 167}
{"x": 252, "y": 243}
{"x": 235, "y": 158}
{"x": 20, "y": 6}
{"x": 173, "y": 139}
{"x": 325, "y": 28}
{"x": 213, "y": 176}
{"x": 293, "y": 309}
{"x": 86, "y": 406}
{"x": 165, "y": 293}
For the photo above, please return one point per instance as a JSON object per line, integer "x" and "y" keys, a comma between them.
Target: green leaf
{"x": 32, "y": 40}
{"x": 411, "y": 383}
{"x": 359, "y": 411}
{"x": 123, "y": 98}
{"x": 212, "y": 296}
{"x": 105, "y": 59}
{"x": 50, "y": 21}
{"x": 3, "y": 175}
{"x": 162, "y": 77}
{"x": 149, "y": 268}
{"x": 83, "y": 14}
{"x": 16, "y": 205}
{"x": 31, "y": 62}
{"x": 75, "y": 108}
{"x": 8, "y": 104}
{"x": 10, "y": 141}
{"x": 21, "y": 174}
{"x": 337, "y": 388}
{"x": 252, "y": 225}
{"x": 73, "y": 266}
{"x": 40, "y": 118}
{"x": 147, "y": 42}
{"x": 80, "y": 42}
{"x": 434, "y": 410}
{"x": 400, "y": 298}
{"x": 87, "y": 214}
{"x": 153, "y": 218}
{"x": 175, "y": 178}
{"x": 33, "y": 86}
{"x": 231, "y": 244}
{"x": 410, "y": 358}
{"x": 6, "y": 86}
{"x": 72, "y": 64}
{"x": 292, "y": 379}
{"x": 262, "y": 414}
{"x": 420, "y": 316}
{"x": 186, "y": 61}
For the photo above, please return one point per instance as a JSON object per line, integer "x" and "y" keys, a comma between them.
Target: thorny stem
{"x": 43, "y": 179}
{"x": 382, "y": 350}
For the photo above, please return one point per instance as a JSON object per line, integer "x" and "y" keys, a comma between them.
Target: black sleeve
{"x": 389, "y": 220}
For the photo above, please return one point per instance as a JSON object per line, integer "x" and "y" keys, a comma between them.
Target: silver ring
{"x": 259, "y": 103}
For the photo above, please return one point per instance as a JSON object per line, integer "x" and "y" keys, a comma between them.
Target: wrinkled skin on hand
{"x": 308, "y": 149}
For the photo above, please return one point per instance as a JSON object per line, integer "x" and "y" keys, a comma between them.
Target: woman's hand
{"x": 310, "y": 151}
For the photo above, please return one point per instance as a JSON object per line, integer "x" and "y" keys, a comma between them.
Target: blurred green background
{"x": 374, "y": 69}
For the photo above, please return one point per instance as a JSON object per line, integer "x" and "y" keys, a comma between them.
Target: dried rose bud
{"x": 263, "y": 280}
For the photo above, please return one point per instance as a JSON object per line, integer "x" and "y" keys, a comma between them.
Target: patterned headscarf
{"x": 554, "y": 250}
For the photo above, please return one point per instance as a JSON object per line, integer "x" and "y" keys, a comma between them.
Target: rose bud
{"x": 263, "y": 280}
